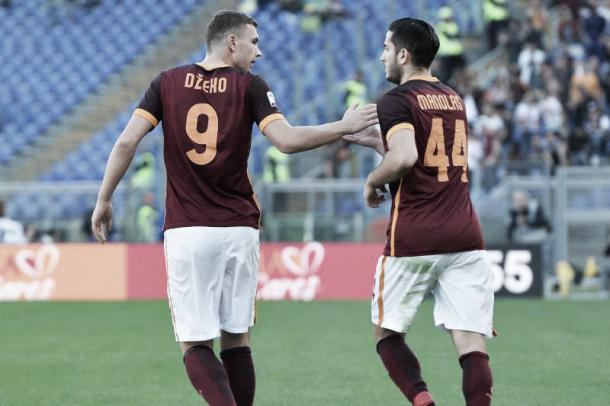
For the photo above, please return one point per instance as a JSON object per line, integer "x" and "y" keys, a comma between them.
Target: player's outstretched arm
{"x": 289, "y": 139}
{"x": 119, "y": 160}
{"x": 369, "y": 137}
{"x": 398, "y": 160}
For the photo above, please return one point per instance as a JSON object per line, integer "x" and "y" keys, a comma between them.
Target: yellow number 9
{"x": 208, "y": 138}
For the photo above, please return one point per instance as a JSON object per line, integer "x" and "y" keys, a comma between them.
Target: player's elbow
{"x": 286, "y": 146}
{"x": 125, "y": 144}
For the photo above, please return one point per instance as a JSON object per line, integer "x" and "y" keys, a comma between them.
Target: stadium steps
{"x": 114, "y": 97}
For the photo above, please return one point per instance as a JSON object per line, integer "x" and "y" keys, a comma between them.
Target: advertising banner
{"x": 63, "y": 272}
{"x": 317, "y": 270}
{"x": 146, "y": 278}
{"x": 517, "y": 270}
{"x": 288, "y": 271}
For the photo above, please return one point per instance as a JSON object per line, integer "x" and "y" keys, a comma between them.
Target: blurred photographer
{"x": 528, "y": 223}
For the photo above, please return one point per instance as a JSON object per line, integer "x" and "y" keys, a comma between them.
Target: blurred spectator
{"x": 5, "y": 4}
{"x": 517, "y": 88}
{"x": 527, "y": 122}
{"x": 11, "y": 231}
{"x": 276, "y": 169}
{"x": 514, "y": 42}
{"x": 355, "y": 90}
{"x": 563, "y": 68}
{"x": 341, "y": 163}
{"x": 593, "y": 26}
{"x": 497, "y": 19}
{"x": 325, "y": 9}
{"x": 551, "y": 109}
{"x": 319, "y": 11}
{"x": 491, "y": 130}
{"x": 276, "y": 166}
{"x": 597, "y": 126}
{"x": 143, "y": 177}
{"x": 579, "y": 147}
{"x": 568, "y": 29}
{"x": 584, "y": 88}
{"x": 529, "y": 61}
{"x": 499, "y": 92}
{"x": 528, "y": 223}
{"x": 556, "y": 151}
{"x": 147, "y": 218}
{"x": 537, "y": 20}
{"x": 451, "y": 51}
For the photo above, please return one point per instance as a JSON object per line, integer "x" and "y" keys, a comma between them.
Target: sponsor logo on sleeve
{"x": 271, "y": 98}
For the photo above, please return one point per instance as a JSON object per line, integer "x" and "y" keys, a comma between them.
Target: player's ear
{"x": 232, "y": 42}
{"x": 404, "y": 56}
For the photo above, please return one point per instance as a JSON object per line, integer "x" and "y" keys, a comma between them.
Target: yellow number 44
{"x": 435, "y": 150}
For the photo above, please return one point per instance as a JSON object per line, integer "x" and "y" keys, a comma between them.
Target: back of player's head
{"x": 226, "y": 22}
{"x": 416, "y": 36}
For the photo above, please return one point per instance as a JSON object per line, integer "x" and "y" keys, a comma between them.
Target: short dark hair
{"x": 416, "y": 36}
{"x": 225, "y": 21}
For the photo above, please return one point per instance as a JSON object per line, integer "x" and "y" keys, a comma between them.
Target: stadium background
{"x": 71, "y": 75}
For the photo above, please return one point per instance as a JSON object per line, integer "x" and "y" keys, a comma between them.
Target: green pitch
{"x": 548, "y": 353}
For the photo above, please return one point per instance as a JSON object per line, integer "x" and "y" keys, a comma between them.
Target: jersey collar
{"x": 424, "y": 78}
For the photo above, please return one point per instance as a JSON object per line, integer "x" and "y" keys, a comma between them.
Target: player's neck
{"x": 213, "y": 61}
{"x": 413, "y": 73}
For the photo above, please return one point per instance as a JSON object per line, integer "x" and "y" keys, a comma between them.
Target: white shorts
{"x": 460, "y": 282}
{"x": 212, "y": 274}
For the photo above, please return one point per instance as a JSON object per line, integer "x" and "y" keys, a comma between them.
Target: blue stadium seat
{"x": 74, "y": 48}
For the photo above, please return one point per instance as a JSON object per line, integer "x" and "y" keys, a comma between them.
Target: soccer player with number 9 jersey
{"x": 212, "y": 217}
{"x": 434, "y": 244}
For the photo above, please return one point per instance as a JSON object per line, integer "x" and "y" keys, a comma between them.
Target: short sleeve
{"x": 394, "y": 114}
{"x": 151, "y": 107}
{"x": 262, "y": 103}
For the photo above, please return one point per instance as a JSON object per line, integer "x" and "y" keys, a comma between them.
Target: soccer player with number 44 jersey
{"x": 212, "y": 217}
{"x": 434, "y": 240}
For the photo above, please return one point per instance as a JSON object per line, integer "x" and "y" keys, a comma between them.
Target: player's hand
{"x": 369, "y": 137}
{"x": 373, "y": 196}
{"x": 101, "y": 220}
{"x": 358, "y": 118}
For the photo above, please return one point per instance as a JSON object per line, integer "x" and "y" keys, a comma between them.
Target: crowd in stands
{"x": 548, "y": 106}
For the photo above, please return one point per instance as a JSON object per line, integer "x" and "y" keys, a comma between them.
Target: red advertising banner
{"x": 146, "y": 278}
{"x": 288, "y": 271}
{"x": 63, "y": 272}
{"x": 317, "y": 270}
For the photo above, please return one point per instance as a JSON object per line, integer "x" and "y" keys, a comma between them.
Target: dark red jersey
{"x": 431, "y": 208}
{"x": 207, "y": 121}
